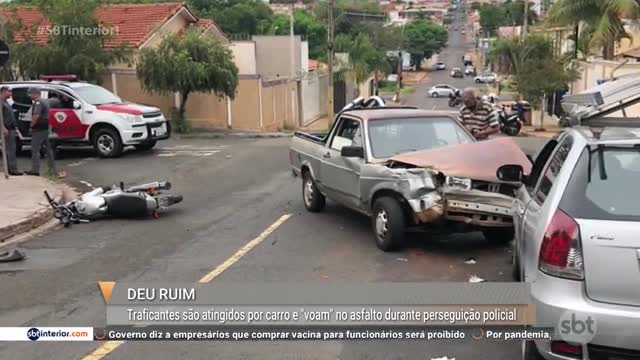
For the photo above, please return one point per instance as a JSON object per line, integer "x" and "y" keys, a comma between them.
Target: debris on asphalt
{"x": 228, "y": 156}
{"x": 476, "y": 279}
{"x": 402, "y": 259}
{"x": 13, "y": 255}
{"x": 470, "y": 261}
{"x": 88, "y": 184}
{"x": 443, "y": 358}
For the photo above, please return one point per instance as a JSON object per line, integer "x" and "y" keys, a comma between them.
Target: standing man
{"x": 9, "y": 131}
{"x": 39, "y": 132}
{"x": 478, "y": 116}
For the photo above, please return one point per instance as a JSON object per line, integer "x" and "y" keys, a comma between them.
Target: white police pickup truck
{"x": 83, "y": 113}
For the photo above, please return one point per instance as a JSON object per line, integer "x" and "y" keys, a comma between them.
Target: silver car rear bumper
{"x": 617, "y": 326}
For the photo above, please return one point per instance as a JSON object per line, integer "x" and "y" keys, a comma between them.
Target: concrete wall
{"x": 244, "y": 55}
{"x": 314, "y": 96}
{"x": 273, "y": 56}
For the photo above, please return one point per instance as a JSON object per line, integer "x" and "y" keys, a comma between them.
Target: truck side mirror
{"x": 510, "y": 173}
{"x": 77, "y": 105}
{"x": 352, "y": 151}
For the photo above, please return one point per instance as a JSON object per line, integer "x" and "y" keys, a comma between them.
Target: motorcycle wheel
{"x": 452, "y": 103}
{"x": 513, "y": 129}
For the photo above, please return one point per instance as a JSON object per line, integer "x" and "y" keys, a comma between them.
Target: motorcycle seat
{"x": 127, "y": 205}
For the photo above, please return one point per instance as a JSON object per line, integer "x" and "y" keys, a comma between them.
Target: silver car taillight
{"x": 561, "y": 251}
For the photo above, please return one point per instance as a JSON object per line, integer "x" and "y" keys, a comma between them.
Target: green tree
{"x": 364, "y": 58}
{"x": 422, "y": 39}
{"x": 604, "y": 17}
{"x": 246, "y": 17}
{"x": 185, "y": 64}
{"x": 68, "y": 50}
{"x": 491, "y": 18}
{"x": 533, "y": 64}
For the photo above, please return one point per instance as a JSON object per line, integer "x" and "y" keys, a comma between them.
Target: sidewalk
{"x": 24, "y": 206}
{"x": 549, "y": 131}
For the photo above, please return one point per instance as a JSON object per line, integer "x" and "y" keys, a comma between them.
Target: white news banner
{"x": 46, "y": 334}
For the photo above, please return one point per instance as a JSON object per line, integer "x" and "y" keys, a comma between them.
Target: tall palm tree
{"x": 605, "y": 17}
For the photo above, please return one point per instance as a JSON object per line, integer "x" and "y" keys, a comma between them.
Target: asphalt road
{"x": 233, "y": 190}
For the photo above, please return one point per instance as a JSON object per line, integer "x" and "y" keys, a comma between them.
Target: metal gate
{"x": 339, "y": 96}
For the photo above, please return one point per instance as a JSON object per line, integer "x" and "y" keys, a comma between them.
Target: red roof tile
{"x": 132, "y": 24}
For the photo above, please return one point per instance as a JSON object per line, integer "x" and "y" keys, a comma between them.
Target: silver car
{"x": 576, "y": 224}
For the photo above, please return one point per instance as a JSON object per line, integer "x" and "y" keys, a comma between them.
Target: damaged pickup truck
{"x": 406, "y": 167}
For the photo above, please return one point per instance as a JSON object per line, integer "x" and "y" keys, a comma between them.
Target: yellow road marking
{"x": 243, "y": 250}
{"x": 109, "y": 346}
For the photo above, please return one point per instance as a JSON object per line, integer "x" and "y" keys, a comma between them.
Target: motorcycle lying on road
{"x": 115, "y": 201}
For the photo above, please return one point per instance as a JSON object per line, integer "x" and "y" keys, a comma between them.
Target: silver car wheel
{"x": 105, "y": 144}
{"x": 308, "y": 192}
{"x": 381, "y": 224}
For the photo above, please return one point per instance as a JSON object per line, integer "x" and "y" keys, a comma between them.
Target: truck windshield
{"x": 96, "y": 95}
{"x": 391, "y": 137}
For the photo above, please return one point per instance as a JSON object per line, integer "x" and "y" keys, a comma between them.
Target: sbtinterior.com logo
{"x": 577, "y": 327}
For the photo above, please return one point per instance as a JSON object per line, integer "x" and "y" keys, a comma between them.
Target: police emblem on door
{"x": 60, "y": 117}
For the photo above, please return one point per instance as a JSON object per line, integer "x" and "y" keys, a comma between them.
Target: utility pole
{"x": 292, "y": 44}
{"x": 525, "y": 24}
{"x": 330, "y": 61}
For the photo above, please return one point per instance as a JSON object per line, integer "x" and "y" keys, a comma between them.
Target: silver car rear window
{"x": 605, "y": 185}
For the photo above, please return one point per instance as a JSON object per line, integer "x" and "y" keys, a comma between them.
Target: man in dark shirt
{"x": 478, "y": 116}
{"x": 9, "y": 131}
{"x": 40, "y": 132}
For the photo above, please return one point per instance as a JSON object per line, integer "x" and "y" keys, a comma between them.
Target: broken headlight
{"x": 458, "y": 183}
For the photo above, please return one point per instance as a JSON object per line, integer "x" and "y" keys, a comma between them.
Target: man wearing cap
{"x": 9, "y": 131}
{"x": 39, "y": 132}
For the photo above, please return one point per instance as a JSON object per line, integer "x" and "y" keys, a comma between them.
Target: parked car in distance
{"x": 470, "y": 70}
{"x": 87, "y": 114}
{"x": 441, "y": 90}
{"x": 462, "y": 32}
{"x": 441, "y": 66}
{"x": 576, "y": 222}
{"x": 457, "y": 73}
{"x": 486, "y": 78}
{"x": 385, "y": 163}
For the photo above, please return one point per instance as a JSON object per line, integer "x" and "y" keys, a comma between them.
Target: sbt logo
{"x": 33, "y": 334}
{"x": 576, "y": 327}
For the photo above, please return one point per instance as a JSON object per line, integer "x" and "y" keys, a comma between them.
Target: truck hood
{"x": 128, "y": 108}
{"x": 478, "y": 160}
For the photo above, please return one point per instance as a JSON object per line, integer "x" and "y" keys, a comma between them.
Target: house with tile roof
{"x": 260, "y": 103}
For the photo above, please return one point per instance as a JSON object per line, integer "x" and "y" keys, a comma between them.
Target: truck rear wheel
{"x": 313, "y": 199}
{"x": 107, "y": 143}
{"x": 389, "y": 224}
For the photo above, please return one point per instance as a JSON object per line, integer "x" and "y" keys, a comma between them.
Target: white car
{"x": 82, "y": 113}
{"x": 470, "y": 70}
{"x": 441, "y": 66}
{"x": 487, "y": 78}
{"x": 441, "y": 90}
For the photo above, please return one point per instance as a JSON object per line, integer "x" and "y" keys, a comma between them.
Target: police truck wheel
{"x": 107, "y": 143}
{"x": 313, "y": 199}
{"x": 389, "y": 224}
{"x": 146, "y": 146}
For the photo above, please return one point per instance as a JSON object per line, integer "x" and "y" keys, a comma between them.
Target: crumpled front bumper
{"x": 473, "y": 207}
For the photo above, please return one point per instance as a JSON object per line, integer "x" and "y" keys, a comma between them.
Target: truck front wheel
{"x": 389, "y": 224}
{"x": 498, "y": 236}
{"x": 107, "y": 142}
{"x": 314, "y": 201}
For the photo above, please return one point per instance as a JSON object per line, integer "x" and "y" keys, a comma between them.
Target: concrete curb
{"x": 213, "y": 135}
{"x": 36, "y": 219}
